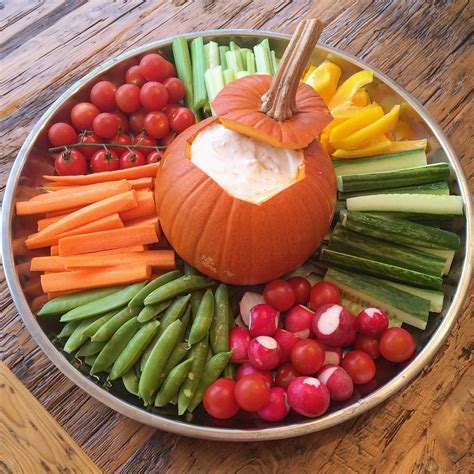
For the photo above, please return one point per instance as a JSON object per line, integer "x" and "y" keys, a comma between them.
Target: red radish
{"x": 299, "y": 320}
{"x": 239, "y": 339}
{"x": 277, "y": 407}
{"x": 332, "y": 354}
{"x": 337, "y": 381}
{"x": 333, "y": 325}
{"x": 247, "y": 368}
{"x": 308, "y": 396}
{"x": 372, "y": 322}
{"x": 367, "y": 344}
{"x": 248, "y": 301}
{"x": 360, "y": 366}
{"x": 286, "y": 340}
{"x": 307, "y": 356}
{"x": 263, "y": 320}
{"x": 285, "y": 374}
{"x": 264, "y": 353}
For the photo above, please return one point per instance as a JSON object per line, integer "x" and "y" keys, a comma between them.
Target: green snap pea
{"x": 130, "y": 381}
{"x": 173, "y": 382}
{"x": 103, "y": 305}
{"x": 137, "y": 300}
{"x": 219, "y": 333}
{"x": 177, "y": 287}
{"x": 174, "y": 399}
{"x": 178, "y": 354}
{"x": 90, "y": 348}
{"x": 185, "y": 319}
{"x": 151, "y": 374}
{"x": 115, "y": 346}
{"x": 62, "y": 304}
{"x": 229, "y": 371}
{"x": 231, "y": 319}
{"x": 93, "y": 327}
{"x": 196, "y": 297}
{"x": 203, "y": 319}
{"x": 189, "y": 270}
{"x": 77, "y": 338}
{"x": 152, "y": 311}
{"x": 108, "y": 329}
{"x": 190, "y": 385}
{"x": 68, "y": 329}
{"x": 134, "y": 349}
{"x": 174, "y": 312}
{"x": 212, "y": 370}
{"x": 89, "y": 360}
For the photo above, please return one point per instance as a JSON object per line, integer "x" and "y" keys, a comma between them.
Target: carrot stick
{"x": 129, "y": 248}
{"x": 64, "y": 212}
{"x": 145, "y": 171}
{"x": 145, "y": 207}
{"x": 145, "y": 221}
{"x": 160, "y": 259}
{"x": 107, "y": 239}
{"x": 54, "y": 250}
{"x": 97, "y": 278}
{"x": 142, "y": 183}
{"x": 47, "y": 264}
{"x": 43, "y": 223}
{"x": 66, "y": 199}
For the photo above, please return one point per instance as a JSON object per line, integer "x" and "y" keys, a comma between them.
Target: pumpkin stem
{"x": 279, "y": 102}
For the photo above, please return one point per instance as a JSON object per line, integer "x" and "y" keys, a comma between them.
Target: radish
{"x": 298, "y": 321}
{"x": 332, "y": 355}
{"x": 248, "y": 301}
{"x": 286, "y": 340}
{"x": 247, "y": 368}
{"x": 337, "y": 381}
{"x": 264, "y": 353}
{"x": 308, "y": 396}
{"x": 239, "y": 339}
{"x": 371, "y": 322}
{"x": 263, "y": 320}
{"x": 277, "y": 407}
{"x": 334, "y": 326}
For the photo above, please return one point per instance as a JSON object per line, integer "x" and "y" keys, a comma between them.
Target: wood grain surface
{"x": 425, "y": 46}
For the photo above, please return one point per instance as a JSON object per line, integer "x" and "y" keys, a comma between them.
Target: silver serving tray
{"x": 32, "y": 162}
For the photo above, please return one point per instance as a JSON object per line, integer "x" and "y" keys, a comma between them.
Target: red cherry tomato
{"x": 302, "y": 289}
{"x": 62, "y": 133}
{"x": 145, "y": 140}
{"x": 134, "y": 76}
{"x": 131, "y": 159}
{"x": 324, "y": 293}
{"x": 307, "y": 356}
{"x": 153, "y": 67}
{"x": 103, "y": 96}
{"x": 170, "y": 69}
{"x": 252, "y": 392}
{"x": 70, "y": 163}
{"x": 285, "y": 374}
{"x": 360, "y": 366}
{"x": 104, "y": 160}
{"x": 156, "y": 124}
{"x": 106, "y": 125}
{"x": 83, "y": 114}
{"x": 123, "y": 120}
{"x": 397, "y": 345}
{"x": 182, "y": 119}
{"x": 175, "y": 88}
{"x": 120, "y": 139}
{"x": 135, "y": 120}
{"x": 170, "y": 110}
{"x": 153, "y": 157}
{"x": 92, "y": 138}
{"x": 367, "y": 344}
{"x": 219, "y": 399}
{"x": 153, "y": 96}
{"x": 165, "y": 141}
{"x": 279, "y": 294}
{"x": 128, "y": 98}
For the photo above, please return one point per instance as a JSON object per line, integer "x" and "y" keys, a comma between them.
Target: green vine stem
{"x": 111, "y": 145}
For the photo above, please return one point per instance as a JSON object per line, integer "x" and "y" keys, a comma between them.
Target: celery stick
{"x": 263, "y": 60}
{"x": 222, "y": 59}
{"x": 274, "y": 61}
{"x": 234, "y": 46}
{"x": 243, "y": 55}
{"x": 250, "y": 62}
{"x": 198, "y": 64}
{"x": 182, "y": 61}
{"x": 240, "y": 74}
{"x": 234, "y": 61}
{"x": 229, "y": 75}
{"x": 266, "y": 46}
{"x": 214, "y": 82}
{"x": 211, "y": 53}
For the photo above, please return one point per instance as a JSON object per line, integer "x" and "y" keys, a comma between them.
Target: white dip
{"x": 244, "y": 167}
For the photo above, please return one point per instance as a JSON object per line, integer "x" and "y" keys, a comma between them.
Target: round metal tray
{"x": 32, "y": 162}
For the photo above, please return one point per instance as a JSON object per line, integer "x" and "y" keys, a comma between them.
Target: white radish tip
{"x": 329, "y": 320}
{"x": 267, "y": 342}
{"x": 326, "y": 373}
{"x": 371, "y": 312}
{"x": 311, "y": 381}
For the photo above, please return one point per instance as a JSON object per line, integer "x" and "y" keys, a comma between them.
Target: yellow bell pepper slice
{"x": 376, "y": 147}
{"x": 405, "y": 145}
{"x": 365, "y": 117}
{"x": 324, "y": 79}
{"x": 361, "y": 98}
{"x": 334, "y": 123}
{"x": 349, "y": 88}
{"x": 324, "y": 140}
{"x": 307, "y": 73}
{"x": 363, "y": 136}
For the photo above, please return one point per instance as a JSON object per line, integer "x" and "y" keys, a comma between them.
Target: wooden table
{"x": 424, "y": 46}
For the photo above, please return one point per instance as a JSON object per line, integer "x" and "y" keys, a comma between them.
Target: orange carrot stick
{"x": 142, "y": 183}
{"x": 129, "y": 248}
{"x": 54, "y": 250}
{"x": 47, "y": 264}
{"x": 145, "y": 207}
{"x": 43, "y": 223}
{"x": 145, "y": 221}
{"x": 64, "y": 212}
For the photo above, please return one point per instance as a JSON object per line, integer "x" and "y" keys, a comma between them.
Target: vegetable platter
{"x": 112, "y": 320}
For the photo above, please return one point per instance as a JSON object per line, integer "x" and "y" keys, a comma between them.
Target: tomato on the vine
{"x": 156, "y": 124}
{"x": 134, "y": 76}
{"x": 131, "y": 159}
{"x": 83, "y": 114}
{"x": 106, "y": 125}
{"x": 153, "y": 95}
{"x": 175, "y": 88}
{"x": 103, "y": 95}
{"x": 182, "y": 119}
{"x": 219, "y": 399}
{"x": 302, "y": 289}
{"x": 252, "y": 392}
{"x": 120, "y": 139}
{"x": 153, "y": 67}
{"x": 70, "y": 163}
{"x": 154, "y": 157}
{"x": 123, "y": 120}
{"x": 104, "y": 160}
{"x": 135, "y": 120}
{"x": 396, "y": 345}
{"x": 145, "y": 140}
{"x": 279, "y": 294}
{"x": 128, "y": 98}
{"x": 170, "y": 110}
{"x": 61, "y": 133}
{"x": 324, "y": 293}
{"x": 92, "y": 138}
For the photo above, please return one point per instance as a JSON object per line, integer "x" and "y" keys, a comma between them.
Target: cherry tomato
{"x": 307, "y": 356}
{"x": 62, "y": 133}
{"x": 131, "y": 159}
{"x": 219, "y": 399}
{"x": 90, "y": 137}
{"x": 360, "y": 366}
{"x": 123, "y": 120}
{"x": 153, "y": 67}
{"x": 106, "y": 125}
{"x": 135, "y": 120}
{"x": 170, "y": 110}
{"x": 156, "y": 124}
{"x": 324, "y": 293}
{"x": 154, "y": 157}
{"x": 279, "y": 294}
{"x": 104, "y": 160}
{"x": 368, "y": 344}
{"x": 120, "y": 139}
{"x": 103, "y": 96}
{"x": 153, "y": 95}
{"x": 165, "y": 141}
{"x": 70, "y": 163}
{"x": 182, "y": 119}
{"x": 83, "y": 114}
{"x": 397, "y": 345}
{"x": 170, "y": 69}
{"x": 252, "y": 392}
{"x": 145, "y": 140}
{"x": 175, "y": 88}
{"x": 128, "y": 98}
{"x": 285, "y": 374}
{"x": 134, "y": 76}
{"x": 302, "y": 289}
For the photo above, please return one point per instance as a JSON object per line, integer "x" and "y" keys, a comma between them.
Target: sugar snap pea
{"x": 137, "y": 300}
{"x": 115, "y": 346}
{"x": 133, "y": 350}
{"x": 62, "y": 304}
{"x": 181, "y": 285}
{"x": 196, "y": 297}
{"x": 151, "y": 374}
{"x": 152, "y": 311}
{"x": 90, "y": 348}
{"x": 174, "y": 399}
{"x": 189, "y": 270}
{"x": 178, "y": 354}
{"x": 130, "y": 381}
{"x": 77, "y": 338}
{"x": 186, "y": 320}
{"x": 93, "y": 327}
{"x": 68, "y": 329}
{"x": 89, "y": 360}
{"x": 105, "y": 304}
{"x": 203, "y": 319}
{"x": 109, "y": 328}
{"x": 219, "y": 333}
{"x": 173, "y": 382}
